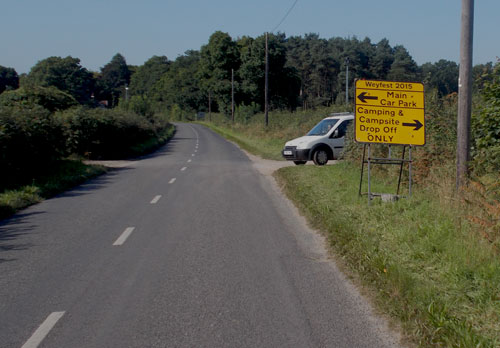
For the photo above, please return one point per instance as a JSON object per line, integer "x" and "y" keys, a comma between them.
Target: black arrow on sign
{"x": 363, "y": 97}
{"x": 417, "y": 125}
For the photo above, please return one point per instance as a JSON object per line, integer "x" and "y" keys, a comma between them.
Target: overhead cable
{"x": 286, "y": 15}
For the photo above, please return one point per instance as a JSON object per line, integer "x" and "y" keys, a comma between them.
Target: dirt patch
{"x": 111, "y": 164}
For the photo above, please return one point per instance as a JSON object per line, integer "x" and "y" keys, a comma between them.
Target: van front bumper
{"x": 292, "y": 154}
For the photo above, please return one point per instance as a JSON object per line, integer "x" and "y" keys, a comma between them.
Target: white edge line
{"x": 172, "y": 181}
{"x": 128, "y": 231}
{"x": 43, "y": 330}
{"x": 156, "y": 199}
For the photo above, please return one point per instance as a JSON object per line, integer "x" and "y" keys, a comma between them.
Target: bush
{"x": 103, "y": 133}
{"x": 49, "y": 98}
{"x": 486, "y": 128}
{"x": 30, "y": 138}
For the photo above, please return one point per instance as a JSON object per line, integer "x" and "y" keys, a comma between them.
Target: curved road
{"x": 188, "y": 247}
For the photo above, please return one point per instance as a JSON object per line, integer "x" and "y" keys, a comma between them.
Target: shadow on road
{"x": 11, "y": 230}
{"x": 93, "y": 184}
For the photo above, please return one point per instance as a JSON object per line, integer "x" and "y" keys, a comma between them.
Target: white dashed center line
{"x": 43, "y": 330}
{"x": 128, "y": 231}
{"x": 156, "y": 199}
{"x": 192, "y": 155}
{"x": 189, "y": 161}
{"x": 172, "y": 181}
{"x": 183, "y": 169}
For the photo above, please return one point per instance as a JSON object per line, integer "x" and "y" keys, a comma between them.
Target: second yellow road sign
{"x": 389, "y": 112}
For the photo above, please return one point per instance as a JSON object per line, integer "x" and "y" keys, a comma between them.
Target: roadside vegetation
{"x": 45, "y": 134}
{"x": 430, "y": 261}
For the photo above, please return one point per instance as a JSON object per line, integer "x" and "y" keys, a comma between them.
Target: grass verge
{"x": 61, "y": 176}
{"x": 426, "y": 265}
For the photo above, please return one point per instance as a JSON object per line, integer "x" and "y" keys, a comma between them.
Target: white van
{"x": 324, "y": 142}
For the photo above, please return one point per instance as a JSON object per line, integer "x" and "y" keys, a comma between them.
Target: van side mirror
{"x": 335, "y": 133}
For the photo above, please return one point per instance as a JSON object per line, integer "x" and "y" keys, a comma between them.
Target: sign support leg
{"x": 369, "y": 177}
{"x": 362, "y": 169}
{"x": 401, "y": 169}
{"x": 409, "y": 172}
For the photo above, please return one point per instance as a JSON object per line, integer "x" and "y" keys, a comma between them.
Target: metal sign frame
{"x": 385, "y": 161}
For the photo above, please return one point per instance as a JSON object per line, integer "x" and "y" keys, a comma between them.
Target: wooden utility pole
{"x": 232, "y": 95}
{"x": 464, "y": 93}
{"x": 347, "y": 81}
{"x": 266, "y": 88}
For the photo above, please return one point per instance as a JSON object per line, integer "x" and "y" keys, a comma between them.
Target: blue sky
{"x": 95, "y": 30}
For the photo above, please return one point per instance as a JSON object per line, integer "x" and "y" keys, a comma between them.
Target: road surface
{"x": 188, "y": 247}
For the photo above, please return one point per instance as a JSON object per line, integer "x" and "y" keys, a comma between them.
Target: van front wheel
{"x": 320, "y": 157}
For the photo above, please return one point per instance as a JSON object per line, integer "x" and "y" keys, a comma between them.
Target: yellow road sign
{"x": 389, "y": 112}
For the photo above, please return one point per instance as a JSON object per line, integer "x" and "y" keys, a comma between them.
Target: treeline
{"x": 304, "y": 72}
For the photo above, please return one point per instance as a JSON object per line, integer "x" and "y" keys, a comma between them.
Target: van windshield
{"x": 323, "y": 127}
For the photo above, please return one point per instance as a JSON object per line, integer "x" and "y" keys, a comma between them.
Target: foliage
{"x": 486, "y": 127}
{"x": 8, "y": 79}
{"x": 66, "y": 74}
{"x": 481, "y": 74}
{"x": 49, "y": 98}
{"x": 284, "y": 83}
{"x": 180, "y": 85}
{"x": 101, "y": 133}
{"x": 146, "y": 76}
{"x": 442, "y": 76}
{"x": 140, "y": 105}
{"x": 403, "y": 67}
{"x": 217, "y": 59}
{"x": 114, "y": 78}
{"x": 30, "y": 138}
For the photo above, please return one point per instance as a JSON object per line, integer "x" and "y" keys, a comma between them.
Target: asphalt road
{"x": 188, "y": 247}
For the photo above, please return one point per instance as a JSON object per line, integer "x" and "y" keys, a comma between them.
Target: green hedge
{"x": 30, "y": 139}
{"x": 39, "y": 126}
{"x": 102, "y": 133}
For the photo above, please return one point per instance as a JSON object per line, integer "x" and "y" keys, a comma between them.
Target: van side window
{"x": 342, "y": 128}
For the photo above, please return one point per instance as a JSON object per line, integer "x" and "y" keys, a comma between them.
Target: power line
{"x": 286, "y": 15}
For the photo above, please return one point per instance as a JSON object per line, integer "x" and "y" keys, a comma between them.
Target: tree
{"x": 482, "y": 73}
{"x": 114, "y": 78}
{"x": 8, "y": 79}
{"x": 442, "y": 75}
{"x": 404, "y": 67}
{"x": 145, "y": 77}
{"x": 179, "y": 87}
{"x": 66, "y": 74}
{"x": 316, "y": 66}
{"x": 218, "y": 57}
{"x": 382, "y": 60}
